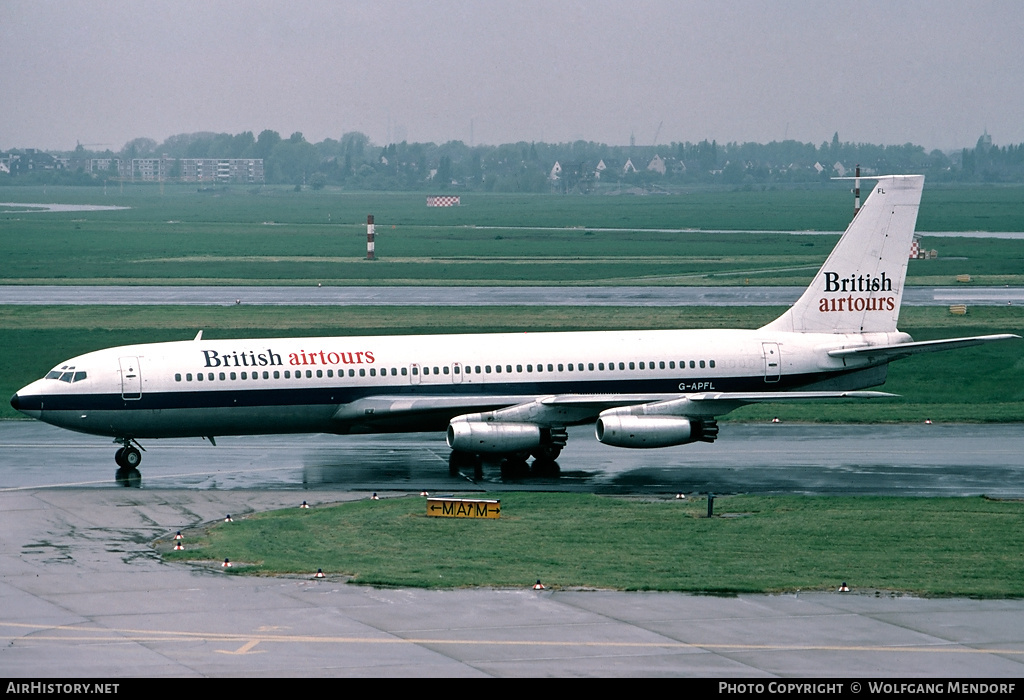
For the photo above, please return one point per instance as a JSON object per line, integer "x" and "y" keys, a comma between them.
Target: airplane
{"x": 512, "y": 395}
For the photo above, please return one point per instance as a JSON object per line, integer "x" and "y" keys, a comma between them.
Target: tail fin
{"x": 860, "y": 286}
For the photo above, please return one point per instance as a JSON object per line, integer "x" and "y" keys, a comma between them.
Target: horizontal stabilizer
{"x": 895, "y": 352}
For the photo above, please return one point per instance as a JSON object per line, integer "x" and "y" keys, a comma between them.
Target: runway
{"x": 472, "y": 296}
{"x": 907, "y": 460}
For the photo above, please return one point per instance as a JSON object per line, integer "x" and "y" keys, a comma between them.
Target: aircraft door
{"x": 131, "y": 378}
{"x": 456, "y": 373}
{"x": 772, "y": 362}
{"x": 414, "y": 373}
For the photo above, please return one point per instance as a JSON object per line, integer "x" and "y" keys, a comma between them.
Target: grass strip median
{"x": 753, "y": 544}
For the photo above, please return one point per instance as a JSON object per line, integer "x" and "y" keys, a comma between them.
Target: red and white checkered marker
{"x": 443, "y": 201}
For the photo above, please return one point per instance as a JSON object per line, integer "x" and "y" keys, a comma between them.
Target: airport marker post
{"x": 369, "y": 237}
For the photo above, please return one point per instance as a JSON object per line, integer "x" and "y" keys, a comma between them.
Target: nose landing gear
{"x": 128, "y": 459}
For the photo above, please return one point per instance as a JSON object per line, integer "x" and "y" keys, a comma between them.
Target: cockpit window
{"x": 66, "y": 373}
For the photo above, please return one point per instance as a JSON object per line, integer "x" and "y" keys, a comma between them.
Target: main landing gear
{"x": 513, "y": 466}
{"x": 128, "y": 459}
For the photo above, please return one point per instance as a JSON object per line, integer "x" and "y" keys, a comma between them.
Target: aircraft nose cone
{"x": 14, "y": 402}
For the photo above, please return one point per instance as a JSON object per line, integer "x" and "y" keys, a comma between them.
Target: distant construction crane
{"x": 657, "y": 132}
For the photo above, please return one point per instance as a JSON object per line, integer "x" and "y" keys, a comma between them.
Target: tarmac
{"x": 84, "y": 594}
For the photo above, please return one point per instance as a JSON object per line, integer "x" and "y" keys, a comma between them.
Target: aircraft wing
{"x": 712, "y": 404}
{"x": 563, "y": 409}
{"x": 900, "y": 350}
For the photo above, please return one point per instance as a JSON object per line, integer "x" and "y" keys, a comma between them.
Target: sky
{"x": 936, "y": 73}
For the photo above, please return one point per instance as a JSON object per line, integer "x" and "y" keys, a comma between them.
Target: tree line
{"x": 354, "y": 162}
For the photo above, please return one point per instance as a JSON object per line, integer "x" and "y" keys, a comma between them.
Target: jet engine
{"x": 493, "y": 438}
{"x": 621, "y": 430}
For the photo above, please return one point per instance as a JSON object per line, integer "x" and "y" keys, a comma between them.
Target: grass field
{"x": 976, "y": 384}
{"x": 277, "y": 236}
{"x": 937, "y": 546}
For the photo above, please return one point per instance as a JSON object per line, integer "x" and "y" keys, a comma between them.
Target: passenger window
{"x": 177, "y": 377}
{"x": 351, "y": 373}
{"x": 373, "y": 372}
{"x": 362, "y": 373}
{"x": 692, "y": 364}
{"x": 519, "y": 368}
{"x": 702, "y": 364}
{"x": 487, "y": 368}
{"x": 319, "y": 373}
{"x": 711, "y": 364}
{"x": 287, "y": 374}
{"x": 277, "y": 374}
{"x": 445, "y": 369}
{"x": 199, "y": 377}
{"x": 497, "y": 368}
{"x": 551, "y": 368}
{"x": 672, "y": 364}
{"x": 233, "y": 377}
{"x": 404, "y": 371}
{"x": 330, "y": 373}
{"x": 188, "y": 377}
{"x": 622, "y": 365}
{"x": 221, "y": 375}
{"x": 591, "y": 366}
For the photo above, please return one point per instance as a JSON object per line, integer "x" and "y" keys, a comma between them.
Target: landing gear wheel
{"x": 514, "y": 468}
{"x": 119, "y": 458}
{"x": 547, "y": 453}
{"x": 457, "y": 461}
{"x": 546, "y": 468}
{"x": 131, "y": 457}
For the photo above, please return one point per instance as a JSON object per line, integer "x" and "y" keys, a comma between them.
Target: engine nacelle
{"x": 653, "y": 431}
{"x": 495, "y": 438}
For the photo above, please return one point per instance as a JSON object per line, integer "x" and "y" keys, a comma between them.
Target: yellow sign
{"x": 463, "y": 508}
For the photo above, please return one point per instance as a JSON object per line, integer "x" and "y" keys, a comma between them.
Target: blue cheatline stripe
{"x": 337, "y": 395}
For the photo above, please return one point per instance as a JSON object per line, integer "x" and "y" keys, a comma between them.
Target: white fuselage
{"x": 408, "y": 383}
